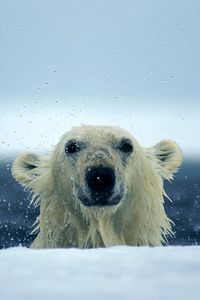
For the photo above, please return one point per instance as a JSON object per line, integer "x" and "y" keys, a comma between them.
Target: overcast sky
{"x": 135, "y": 64}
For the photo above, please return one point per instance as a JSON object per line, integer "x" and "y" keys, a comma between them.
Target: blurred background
{"x": 135, "y": 64}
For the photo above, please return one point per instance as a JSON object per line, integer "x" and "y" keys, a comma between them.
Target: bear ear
{"x": 26, "y": 168}
{"x": 168, "y": 156}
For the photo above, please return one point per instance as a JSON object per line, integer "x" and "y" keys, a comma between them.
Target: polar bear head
{"x": 102, "y": 173}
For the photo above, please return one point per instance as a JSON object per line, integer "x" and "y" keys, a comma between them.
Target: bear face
{"x": 94, "y": 162}
{"x": 99, "y": 187}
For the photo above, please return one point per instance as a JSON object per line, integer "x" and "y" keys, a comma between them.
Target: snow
{"x": 113, "y": 273}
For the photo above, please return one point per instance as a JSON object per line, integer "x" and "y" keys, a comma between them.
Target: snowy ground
{"x": 114, "y": 273}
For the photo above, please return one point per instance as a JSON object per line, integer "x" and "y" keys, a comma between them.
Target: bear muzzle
{"x": 100, "y": 180}
{"x": 100, "y": 187}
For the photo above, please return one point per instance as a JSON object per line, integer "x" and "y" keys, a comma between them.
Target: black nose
{"x": 100, "y": 180}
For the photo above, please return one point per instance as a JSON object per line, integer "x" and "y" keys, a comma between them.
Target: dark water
{"x": 17, "y": 216}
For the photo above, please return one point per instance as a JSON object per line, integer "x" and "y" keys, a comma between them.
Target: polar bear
{"x": 99, "y": 188}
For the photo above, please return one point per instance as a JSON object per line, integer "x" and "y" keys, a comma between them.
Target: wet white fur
{"x": 139, "y": 219}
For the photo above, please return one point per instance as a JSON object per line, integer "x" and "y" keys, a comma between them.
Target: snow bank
{"x": 114, "y": 273}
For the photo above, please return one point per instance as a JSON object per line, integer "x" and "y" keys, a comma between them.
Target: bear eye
{"x": 72, "y": 147}
{"x": 126, "y": 146}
